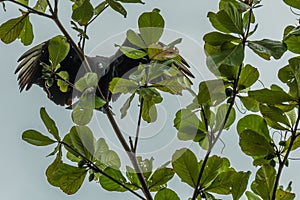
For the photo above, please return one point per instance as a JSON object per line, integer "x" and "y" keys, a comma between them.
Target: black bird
{"x": 31, "y": 71}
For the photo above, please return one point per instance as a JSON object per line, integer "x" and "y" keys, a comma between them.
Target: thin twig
{"x": 31, "y": 10}
{"x": 138, "y": 128}
{"x": 97, "y": 169}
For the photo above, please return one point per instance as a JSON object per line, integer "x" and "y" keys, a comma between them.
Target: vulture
{"x": 31, "y": 70}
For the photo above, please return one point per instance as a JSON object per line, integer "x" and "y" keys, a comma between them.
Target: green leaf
{"x": 53, "y": 167}
{"x": 121, "y": 85}
{"x": 284, "y": 195}
{"x": 270, "y": 97}
{"x": 83, "y": 140}
{"x": 49, "y": 123}
{"x": 100, "y": 147}
{"x": 252, "y": 196}
{"x": 117, "y": 7}
{"x": 233, "y": 57}
{"x": 221, "y": 184}
{"x": 26, "y": 35}
{"x": 132, "y": 52}
{"x": 293, "y": 3}
{"x": 221, "y": 114}
{"x": 89, "y": 80}
{"x": 173, "y": 85}
{"x": 211, "y": 91}
{"x": 248, "y": 77}
{"x": 41, "y": 5}
{"x": 188, "y": 125}
{"x": 111, "y": 185}
{"x": 276, "y": 115}
{"x": 151, "y": 25}
{"x": 135, "y": 39}
{"x": 24, "y": 2}
{"x": 239, "y": 184}
{"x": 214, "y": 167}
{"x": 227, "y": 20}
{"x": 36, "y": 138}
{"x": 68, "y": 178}
{"x": 83, "y": 13}
{"x": 159, "y": 178}
{"x": 217, "y": 38}
{"x": 10, "y": 30}
{"x": 100, "y": 8}
{"x": 62, "y": 82}
{"x": 108, "y": 158}
{"x": 266, "y": 48}
{"x": 254, "y": 123}
{"x": 166, "y": 194}
{"x": 58, "y": 49}
{"x": 131, "y": 1}
{"x": 185, "y": 165}
{"x": 264, "y": 182}
{"x": 82, "y": 116}
{"x": 146, "y": 166}
{"x": 249, "y": 103}
{"x": 126, "y": 106}
{"x": 253, "y": 144}
{"x": 132, "y": 176}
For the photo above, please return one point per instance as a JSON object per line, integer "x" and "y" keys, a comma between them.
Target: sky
{"x": 22, "y": 169}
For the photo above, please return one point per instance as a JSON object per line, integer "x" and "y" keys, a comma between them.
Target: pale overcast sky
{"x": 22, "y": 166}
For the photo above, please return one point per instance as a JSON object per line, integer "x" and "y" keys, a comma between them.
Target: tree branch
{"x": 197, "y": 188}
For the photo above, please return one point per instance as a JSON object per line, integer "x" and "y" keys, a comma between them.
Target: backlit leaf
{"x": 36, "y": 138}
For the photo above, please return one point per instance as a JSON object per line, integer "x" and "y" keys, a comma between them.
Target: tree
{"x": 268, "y": 132}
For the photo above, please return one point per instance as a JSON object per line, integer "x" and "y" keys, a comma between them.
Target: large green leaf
{"x": 90, "y": 79}
{"x": 248, "y": 77}
{"x": 276, "y": 115}
{"x": 82, "y": 116}
{"x": 254, "y": 123}
{"x": 215, "y": 166}
{"x": 116, "y": 6}
{"x": 266, "y": 48}
{"x": 166, "y": 194}
{"x": 185, "y": 165}
{"x": 221, "y": 184}
{"x": 36, "y": 138}
{"x": 217, "y": 38}
{"x": 100, "y": 8}
{"x": 211, "y": 91}
{"x": 160, "y": 178}
{"x": 132, "y": 52}
{"x": 10, "y": 30}
{"x": 108, "y": 158}
{"x": 249, "y": 103}
{"x": 151, "y": 25}
{"x": 270, "y": 96}
{"x": 26, "y": 34}
{"x": 58, "y": 49}
{"x": 83, "y": 13}
{"x": 227, "y": 20}
{"x": 49, "y": 123}
{"x": 41, "y": 5}
{"x": 233, "y": 57}
{"x": 121, "y": 85}
{"x": 68, "y": 178}
{"x": 264, "y": 182}
{"x": 293, "y": 3}
{"x": 253, "y": 144}
{"x": 220, "y": 117}
{"x": 83, "y": 140}
{"x": 239, "y": 184}
{"x": 188, "y": 125}
{"x": 252, "y": 196}
{"x": 111, "y": 185}
{"x": 135, "y": 39}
